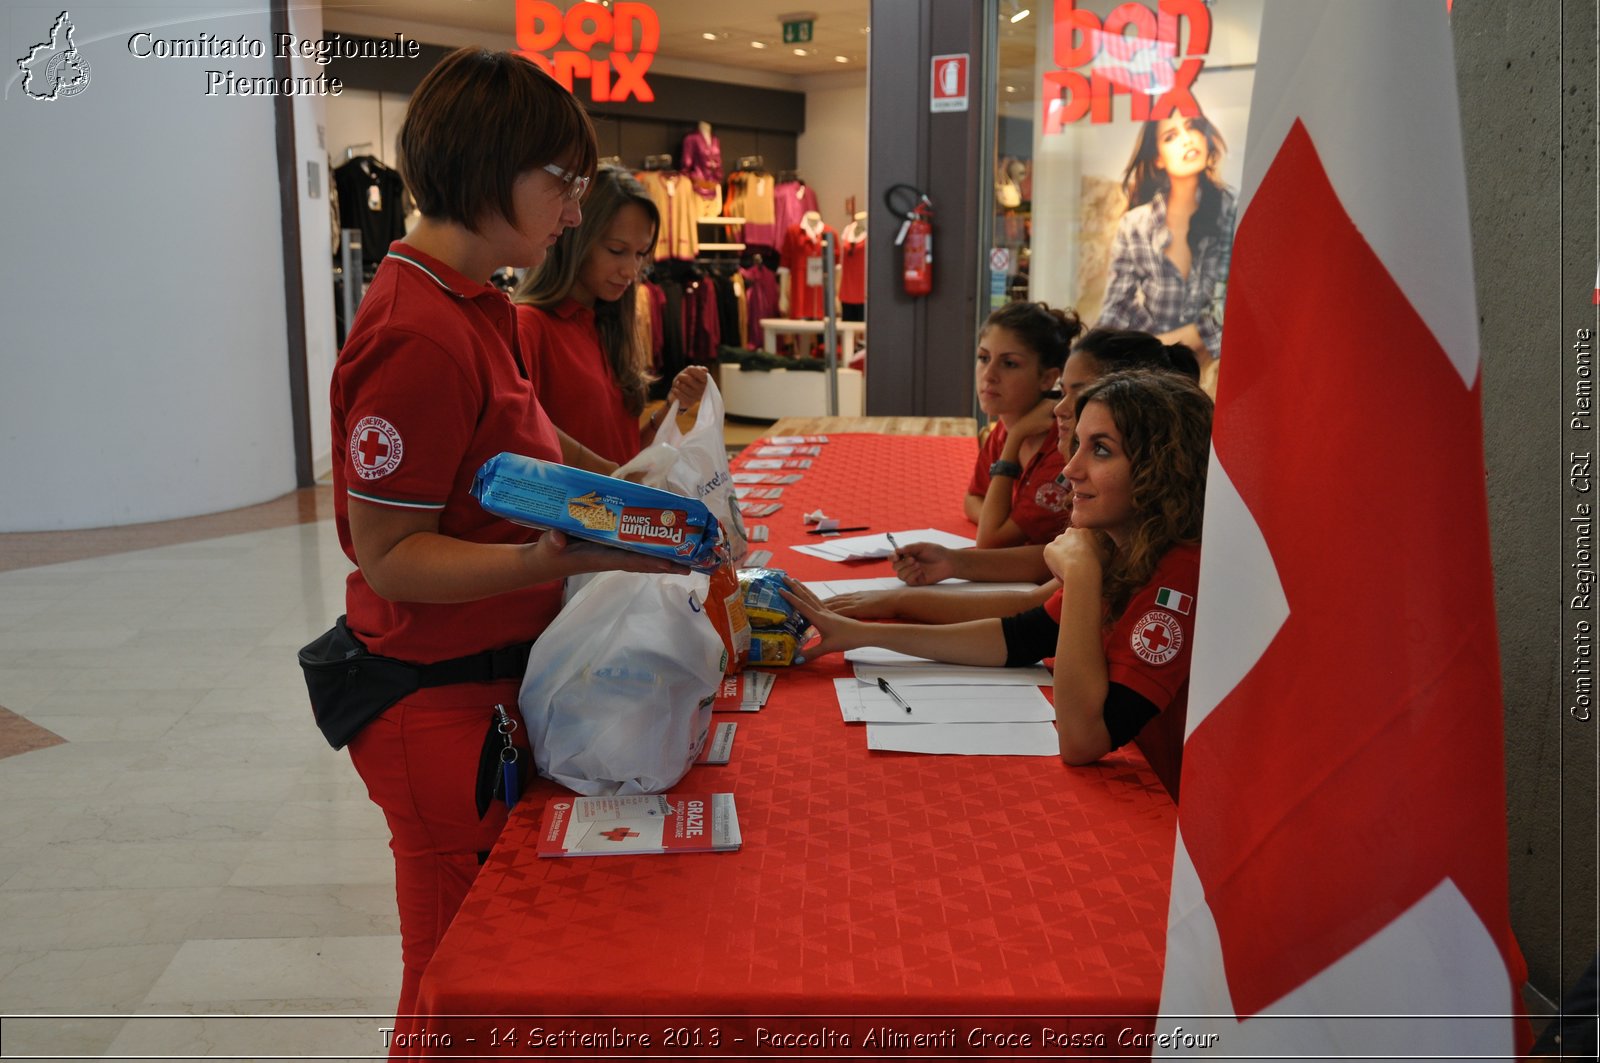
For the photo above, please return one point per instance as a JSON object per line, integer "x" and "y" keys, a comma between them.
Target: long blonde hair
{"x": 552, "y": 283}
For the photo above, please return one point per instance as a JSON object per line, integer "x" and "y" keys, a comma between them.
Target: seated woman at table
{"x": 1121, "y": 626}
{"x": 576, "y": 319}
{"x": 1097, "y": 353}
{"x": 1013, "y": 496}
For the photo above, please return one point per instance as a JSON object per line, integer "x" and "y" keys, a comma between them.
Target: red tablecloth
{"x": 872, "y": 888}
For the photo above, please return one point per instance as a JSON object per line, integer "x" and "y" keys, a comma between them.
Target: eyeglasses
{"x": 576, "y": 184}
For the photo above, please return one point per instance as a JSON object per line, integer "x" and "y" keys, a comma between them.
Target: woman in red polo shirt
{"x": 1121, "y": 626}
{"x": 1013, "y": 496}
{"x": 430, "y": 383}
{"x": 578, "y": 321}
{"x": 1098, "y": 352}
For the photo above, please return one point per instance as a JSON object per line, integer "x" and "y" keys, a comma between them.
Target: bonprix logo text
{"x": 55, "y": 69}
{"x": 1133, "y": 53}
{"x": 632, "y": 31}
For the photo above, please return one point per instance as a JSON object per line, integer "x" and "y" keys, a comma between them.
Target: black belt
{"x": 508, "y": 662}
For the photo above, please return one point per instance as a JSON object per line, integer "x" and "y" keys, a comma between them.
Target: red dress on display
{"x": 800, "y": 249}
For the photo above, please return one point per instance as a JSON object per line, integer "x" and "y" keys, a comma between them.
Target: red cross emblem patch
{"x": 1157, "y": 637}
{"x": 1053, "y": 497}
{"x": 619, "y": 834}
{"x": 375, "y": 448}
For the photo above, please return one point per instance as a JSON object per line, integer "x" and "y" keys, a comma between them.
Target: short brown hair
{"x": 478, "y": 121}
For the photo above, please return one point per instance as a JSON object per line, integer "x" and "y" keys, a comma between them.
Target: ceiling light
{"x": 841, "y": 59}
{"x": 1011, "y": 88}
{"x": 799, "y": 51}
{"x": 709, "y": 36}
{"x": 758, "y": 44}
{"x": 1020, "y": 15}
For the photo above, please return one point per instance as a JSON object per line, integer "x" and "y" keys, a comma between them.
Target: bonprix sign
{"x": 562, "y": 44}
{"x": 1133, "y": 53}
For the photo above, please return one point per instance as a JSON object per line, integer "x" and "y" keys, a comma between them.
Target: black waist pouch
{"x": 351, "y": 687}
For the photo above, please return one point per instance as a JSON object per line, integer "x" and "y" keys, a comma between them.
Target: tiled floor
{"x": 175, "y": 837}
{"x": 176, "y": 840}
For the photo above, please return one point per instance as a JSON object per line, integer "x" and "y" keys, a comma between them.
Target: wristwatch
{"x": 1002, "y": 467}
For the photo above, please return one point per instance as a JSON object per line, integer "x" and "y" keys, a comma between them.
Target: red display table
{"x": 882, "y": 903}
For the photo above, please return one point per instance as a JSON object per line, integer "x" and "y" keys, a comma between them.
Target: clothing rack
{"x": 658, "y": 162}
{"x": 609, "y": 160}
{"x": 790, "y": 175}
{"x": 750, "y": 162}
{"x": 350, "y": 152}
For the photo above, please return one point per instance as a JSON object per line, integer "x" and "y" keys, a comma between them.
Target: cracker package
{"x": 725, "y": 607}
{"x": 777, "y": 629}
{"x": 601, "y": 509}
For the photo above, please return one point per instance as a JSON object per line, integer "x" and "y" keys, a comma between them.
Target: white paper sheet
{"x": 930, "y": 673}
{"x": 864, "y": 703}
{"x": 871, "y": 547}
{"x": 979, "y": 739}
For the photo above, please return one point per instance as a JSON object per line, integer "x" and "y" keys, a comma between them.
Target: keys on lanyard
{"x": 508, "y": 755}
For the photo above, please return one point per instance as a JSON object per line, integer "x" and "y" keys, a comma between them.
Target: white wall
{"x": 143, "y": 372}
{"x": 832, "y": 152}
{"x": 312, "y": 148}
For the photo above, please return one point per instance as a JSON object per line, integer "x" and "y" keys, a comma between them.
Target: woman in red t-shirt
{"x": 1013, "y": 496}
{"x": 578, "y": 322}
{"x": 1121, "y": 626}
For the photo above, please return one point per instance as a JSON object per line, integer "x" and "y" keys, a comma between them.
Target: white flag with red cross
{"x": 1341, "y": 846}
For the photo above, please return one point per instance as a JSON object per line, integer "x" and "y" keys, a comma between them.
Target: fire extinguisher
{"x": 915, "y": 239}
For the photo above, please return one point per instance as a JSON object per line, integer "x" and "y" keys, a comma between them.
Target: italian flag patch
{"x": 1177, "y": 601}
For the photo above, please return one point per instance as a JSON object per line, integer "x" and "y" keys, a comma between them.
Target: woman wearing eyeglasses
{"x": 578, "y": 322}
{"x": 430, "y": 384}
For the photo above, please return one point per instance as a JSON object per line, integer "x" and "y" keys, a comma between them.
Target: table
{"x": 874, "y": 891}
{"x": 769, "y": 394}
{"x": 847, "y": 331}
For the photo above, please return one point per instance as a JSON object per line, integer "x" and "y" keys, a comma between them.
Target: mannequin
{"x": 701, "y": 158}
{"x": 853, "y": 269}
{"x": 802, "y": 256}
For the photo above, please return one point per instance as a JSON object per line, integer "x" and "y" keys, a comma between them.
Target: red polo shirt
{"x": 574, "y": 380}
{"x": 1149, "y": 647}
{"x": 1040, "y": 506}
{"x": 428, "y": 386}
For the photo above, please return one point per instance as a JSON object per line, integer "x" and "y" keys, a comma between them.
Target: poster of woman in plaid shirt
{"x": 1169, "y": 261}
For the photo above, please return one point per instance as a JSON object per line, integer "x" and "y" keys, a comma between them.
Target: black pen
{"x": 836, "y": 531}
{"x": 895, "y": 547}
{"x": 883, "y": 685}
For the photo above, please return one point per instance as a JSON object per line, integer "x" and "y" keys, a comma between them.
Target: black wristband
{"x": 1003, "y": 467}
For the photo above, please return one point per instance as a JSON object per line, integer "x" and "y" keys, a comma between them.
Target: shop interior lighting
{"x": 1020, "y": 15}
{"x": 799, "y": 51}
{"x": 709, "y": 36}
{"x": 758, "y": 44}
{"x": 840, "y": 59}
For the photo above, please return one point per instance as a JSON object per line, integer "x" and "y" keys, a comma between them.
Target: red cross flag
{"x": 1340, "y": 870}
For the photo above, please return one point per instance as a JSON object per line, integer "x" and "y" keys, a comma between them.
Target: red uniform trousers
{"x": 420, "y": 763}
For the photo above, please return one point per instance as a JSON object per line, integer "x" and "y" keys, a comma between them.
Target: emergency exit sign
{"x": 797, "y": 32}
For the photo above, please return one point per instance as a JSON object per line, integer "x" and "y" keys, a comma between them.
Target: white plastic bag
{"x": 699, "y": 466}
{"x": 618, "y": 692}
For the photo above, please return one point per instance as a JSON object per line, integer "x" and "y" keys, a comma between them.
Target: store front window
{"x": 1118, "y": 127}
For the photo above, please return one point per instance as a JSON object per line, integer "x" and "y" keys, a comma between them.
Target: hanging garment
{"x": 371, "y": 199}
